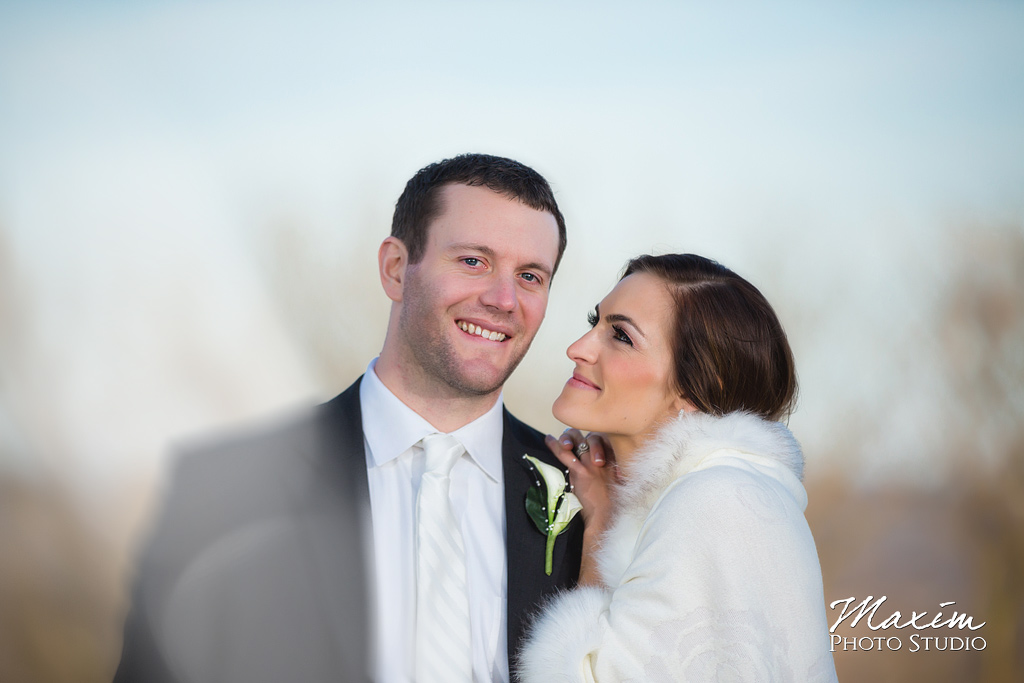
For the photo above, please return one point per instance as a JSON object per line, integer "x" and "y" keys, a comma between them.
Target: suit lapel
{"x": 525, "y": 545}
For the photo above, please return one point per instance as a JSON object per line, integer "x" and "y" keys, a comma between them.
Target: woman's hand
{"x": 592, "y": 470}
{"x": 592, "y": 473}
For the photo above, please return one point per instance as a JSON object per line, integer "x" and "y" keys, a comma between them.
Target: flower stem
{"x": 549, "y": 551}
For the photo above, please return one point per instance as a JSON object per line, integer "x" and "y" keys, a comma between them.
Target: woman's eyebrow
{"x": 620, "y": 318}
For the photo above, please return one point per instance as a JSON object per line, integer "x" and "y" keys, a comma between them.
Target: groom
{"x": 295, "y": 553}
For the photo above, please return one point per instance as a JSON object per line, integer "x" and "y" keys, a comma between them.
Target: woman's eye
{"x": 621, "y": 336}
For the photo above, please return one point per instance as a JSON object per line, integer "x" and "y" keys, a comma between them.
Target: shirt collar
{"x": 391, "y": 427}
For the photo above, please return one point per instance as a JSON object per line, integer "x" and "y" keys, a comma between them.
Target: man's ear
{"x": 392, "y": 260}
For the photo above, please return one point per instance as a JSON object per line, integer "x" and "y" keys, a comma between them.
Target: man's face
{"x": 472, "y": 305}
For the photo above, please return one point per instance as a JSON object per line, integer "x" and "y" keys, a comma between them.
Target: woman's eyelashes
{"x": 618, "y": 333}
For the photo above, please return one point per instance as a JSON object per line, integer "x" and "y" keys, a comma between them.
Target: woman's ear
{"x": 684, "y": 405}
{"x": 392, "y": 260}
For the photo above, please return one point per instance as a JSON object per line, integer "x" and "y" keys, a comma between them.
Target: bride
{"x": 698, "y": 563}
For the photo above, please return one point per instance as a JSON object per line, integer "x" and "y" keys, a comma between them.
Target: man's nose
{"x": 500, "y": 293}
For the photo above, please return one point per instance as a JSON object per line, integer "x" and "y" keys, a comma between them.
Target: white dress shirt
{"x": 394, "y": 466}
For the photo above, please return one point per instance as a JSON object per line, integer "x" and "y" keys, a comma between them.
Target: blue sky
{"x": 147, "y": 149}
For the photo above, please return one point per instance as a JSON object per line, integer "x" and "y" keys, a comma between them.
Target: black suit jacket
{"x": 258, "y": 568}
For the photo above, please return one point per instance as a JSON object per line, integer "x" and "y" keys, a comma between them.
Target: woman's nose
{"x": 583, "y": 349}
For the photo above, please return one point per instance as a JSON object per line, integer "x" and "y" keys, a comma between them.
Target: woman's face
{"x": 622, "y": 385}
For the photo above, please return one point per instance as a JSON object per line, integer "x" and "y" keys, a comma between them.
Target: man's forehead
{"x": 476, "y": 216}
{"x": 464, "y": 192}
{"x": 456, "y": 195}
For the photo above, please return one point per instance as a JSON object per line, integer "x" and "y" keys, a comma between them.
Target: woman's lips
{"x": 581, "y": 382}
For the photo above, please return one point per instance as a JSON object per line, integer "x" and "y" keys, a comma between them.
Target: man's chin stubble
{"x": 448, "y": 369}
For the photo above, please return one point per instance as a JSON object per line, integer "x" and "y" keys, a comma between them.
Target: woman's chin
{"x": 569, "y": 412}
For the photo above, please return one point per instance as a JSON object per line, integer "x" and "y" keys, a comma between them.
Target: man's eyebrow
{"x": 546, "y": 270}
{"x": 490, "y": 253}
{"x": 469, "y": 246}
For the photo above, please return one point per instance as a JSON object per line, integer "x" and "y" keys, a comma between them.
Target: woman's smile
{"x": 578, "y": 381}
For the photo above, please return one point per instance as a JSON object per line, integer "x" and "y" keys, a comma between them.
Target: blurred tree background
{"x": 962, "y": 540}
{"x": 192, "y": 195}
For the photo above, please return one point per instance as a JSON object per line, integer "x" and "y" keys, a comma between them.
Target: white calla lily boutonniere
{"x": 549, "y": 503}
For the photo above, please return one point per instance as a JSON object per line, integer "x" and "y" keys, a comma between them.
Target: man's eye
{"x": 471, "y": 261}
{"x": 530, "y": 277}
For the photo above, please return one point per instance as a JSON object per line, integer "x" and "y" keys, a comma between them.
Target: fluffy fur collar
{"x": 686, "y": 442}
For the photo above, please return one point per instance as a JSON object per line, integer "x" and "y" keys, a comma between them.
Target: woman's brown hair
{"x": 729, "y": 348}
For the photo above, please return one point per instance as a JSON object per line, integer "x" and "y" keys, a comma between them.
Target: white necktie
{"x": 443, "y": 646}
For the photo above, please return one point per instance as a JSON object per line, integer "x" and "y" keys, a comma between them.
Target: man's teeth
{"x": 481, "y": 332}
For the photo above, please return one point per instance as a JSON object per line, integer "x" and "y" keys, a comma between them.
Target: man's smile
{"x": 470, "y": 328}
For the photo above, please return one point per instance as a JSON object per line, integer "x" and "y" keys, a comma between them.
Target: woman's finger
{"x": 558, "y": 449}
{"x": 571, "y": 438}
{"x": 595, "y": 445}
{"x": 582, "y": 446}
